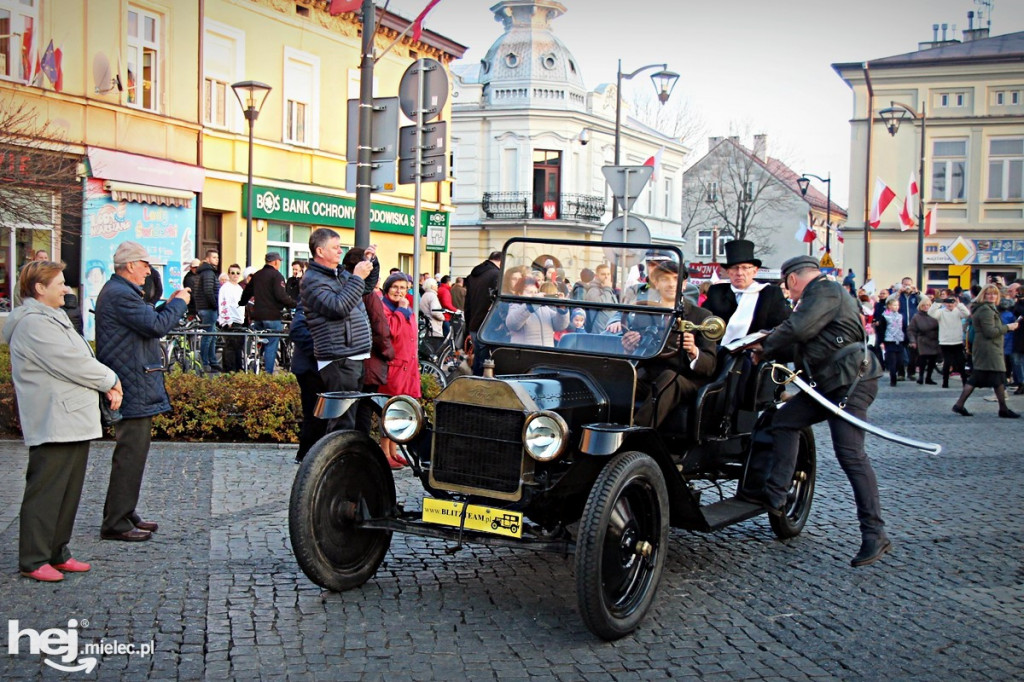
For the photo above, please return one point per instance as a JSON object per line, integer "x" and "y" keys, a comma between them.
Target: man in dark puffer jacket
{"x": 128, "y": 332}
{"x": 205, "y": 297}
{"x": 333, "y": 300}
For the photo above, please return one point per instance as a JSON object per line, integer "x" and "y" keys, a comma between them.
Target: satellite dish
{"x": 102, "y": 75}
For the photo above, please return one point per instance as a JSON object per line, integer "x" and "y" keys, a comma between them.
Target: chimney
{"x": 761, "y": 146}
{"x": 935, "y": 33}
{"x": 944, "y": 28}
{"x": 972, "y": 33}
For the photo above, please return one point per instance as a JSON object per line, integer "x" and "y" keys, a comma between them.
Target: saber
{"x": 930, "y": 448}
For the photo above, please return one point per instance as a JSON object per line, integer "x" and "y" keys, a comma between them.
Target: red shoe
{"x": 45, "y": 574}
{"x": 397, "y": 462}
{"x": 73, "y": 566}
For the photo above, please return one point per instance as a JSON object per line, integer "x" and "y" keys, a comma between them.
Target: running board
{"x": 730, "y": 511}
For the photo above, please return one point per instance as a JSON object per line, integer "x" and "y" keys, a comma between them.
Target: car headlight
{"x": 401, "y": 419}
{"x": 545, "y": 435}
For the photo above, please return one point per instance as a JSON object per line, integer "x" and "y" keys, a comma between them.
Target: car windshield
{"x": 575, "y": 297}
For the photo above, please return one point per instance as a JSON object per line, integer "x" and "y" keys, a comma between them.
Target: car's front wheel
{"x": 344, "y": 475}
{"x": 621, "y": 546}
{"x": 801, "y": 491}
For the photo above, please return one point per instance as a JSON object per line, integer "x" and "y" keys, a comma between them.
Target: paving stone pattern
{"x": 220, "y": 596}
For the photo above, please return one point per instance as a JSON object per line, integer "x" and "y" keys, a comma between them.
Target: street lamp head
{"x": 803, "y": 183}
{"x": 665, "y": 82}
{"x": 893, "y": 115}
{"x": 251, "y": 96}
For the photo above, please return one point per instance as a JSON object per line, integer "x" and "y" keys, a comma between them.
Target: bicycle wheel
{"x": 253, "y": 356}
{"x": 430, "y": 369}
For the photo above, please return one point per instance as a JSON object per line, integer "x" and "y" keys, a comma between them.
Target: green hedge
{"x": 225, "y": 408}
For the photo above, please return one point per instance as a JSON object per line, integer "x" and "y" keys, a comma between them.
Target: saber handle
{"x": 788, "y": 376}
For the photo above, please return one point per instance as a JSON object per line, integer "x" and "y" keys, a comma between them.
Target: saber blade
{"x": 930, "y": 448}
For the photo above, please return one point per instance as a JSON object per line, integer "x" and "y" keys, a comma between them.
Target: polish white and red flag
{"x": 883, "y": 197}
{"x": 805, "y": 233}
{"x": 931, "y": 223}
{"x": 655, "y": 161}
{"x": 839, "y": 236}
{"x": 907, "y": 219}
{"x": 343, "y": 6}
{"x": 417, "y": 24}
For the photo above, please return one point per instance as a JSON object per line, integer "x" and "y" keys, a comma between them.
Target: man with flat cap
{"x": 825, "y": 339}
{"x": 747, "y": 306}
{"x": 128, "y": 331}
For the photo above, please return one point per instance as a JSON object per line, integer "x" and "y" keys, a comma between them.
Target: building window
{"x": 223, "y": 50}
{"x": 952, "y": 99}
{"x": 291, "y": 241}
{"x": 668, "y": 185}
{"x": 704, "y": 244}
{"x": 1000, "y": 98}
{"x": 301, "y": 97}
{"x": 712, "y": 196}
{"x": 949, "y": 170}
{"x": 143, "y": 58}
{"x": 1015, "y": 97}
{"x": 1006, "y": 169}
{"x": 20, "y": 39}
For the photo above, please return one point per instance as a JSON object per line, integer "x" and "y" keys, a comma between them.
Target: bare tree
{"x": 38, "y": 184}
{"x": 736, "y": 191}
{"x": 677, "y": 118}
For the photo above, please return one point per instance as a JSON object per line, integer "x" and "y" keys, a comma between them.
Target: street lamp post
{"x": 251, "y": 96}
{"x": 892, "y": 116}
{"x": 664, "y": 82}
{"x": 804, "y": 182}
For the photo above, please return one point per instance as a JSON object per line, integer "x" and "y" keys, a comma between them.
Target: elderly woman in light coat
{"x": 535, "y": 325}
{"x": 988, "y": 366}
{"x": 58, "y": 382}
{"x": 430, "y": 307}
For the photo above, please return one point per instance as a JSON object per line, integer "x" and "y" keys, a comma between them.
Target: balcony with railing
{"x": 520, "y": 206}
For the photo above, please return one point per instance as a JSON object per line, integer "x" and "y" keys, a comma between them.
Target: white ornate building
{"x": 529, "y": 141}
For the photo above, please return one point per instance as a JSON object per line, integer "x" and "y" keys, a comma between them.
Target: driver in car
{"x": 688, "y": 360}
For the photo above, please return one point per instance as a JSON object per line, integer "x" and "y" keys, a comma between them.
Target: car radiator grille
{"x": 478, "y": 447}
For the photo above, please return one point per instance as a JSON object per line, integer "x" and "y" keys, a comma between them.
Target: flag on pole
{"x": 805, "y": 234}
{"x": 343, "y": 6}
{"x": 839, "y": 237}
{"x": 655, "y": 161}
{"x": 37, "y": 77}
{"x": 883, "y": 197}
{"x": 58, "y": 85}
{"x": 417, "y": 24}
{"x": 931, "y": 223}
{"x": 49, "y": 64}
{"x": 26, "y": 52}
{"x": 907, "y": 219}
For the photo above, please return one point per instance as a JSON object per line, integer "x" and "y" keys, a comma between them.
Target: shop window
{"x": 143, "y": 57}
{"x": 289, "y": 240}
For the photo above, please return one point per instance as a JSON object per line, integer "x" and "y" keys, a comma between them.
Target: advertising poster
{"x": 166, "y": 232}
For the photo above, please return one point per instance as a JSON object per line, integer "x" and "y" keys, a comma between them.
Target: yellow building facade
{"x": 131, "y": 114}
{"x": 971, "y": 95}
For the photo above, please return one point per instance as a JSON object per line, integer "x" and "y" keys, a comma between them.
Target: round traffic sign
{"x": 435, "y": 89}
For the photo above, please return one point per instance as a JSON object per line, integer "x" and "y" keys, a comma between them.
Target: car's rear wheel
{"x": 342, "y": 475}
{"x": 621, "y": 546}
{"x": 801, "y": 491}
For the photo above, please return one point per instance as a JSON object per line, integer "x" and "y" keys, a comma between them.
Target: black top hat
{"x": 740, "y": 251}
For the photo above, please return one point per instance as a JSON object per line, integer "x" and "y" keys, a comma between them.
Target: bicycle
{"x": 441, "y": 357}
{"x": 252, "y": 355}
{"x": 181, "y": 347}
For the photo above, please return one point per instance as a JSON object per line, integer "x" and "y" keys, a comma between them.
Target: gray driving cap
{"x": 798, "y": 263}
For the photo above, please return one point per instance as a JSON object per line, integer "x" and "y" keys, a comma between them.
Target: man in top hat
{"x": 747, "y": 306}
{"x": 825, "y": 339}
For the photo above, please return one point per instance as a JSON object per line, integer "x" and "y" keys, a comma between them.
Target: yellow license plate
{"x": 486, "y": 519}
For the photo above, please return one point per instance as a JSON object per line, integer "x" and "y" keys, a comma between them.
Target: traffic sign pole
{"x": 418, "y": 203}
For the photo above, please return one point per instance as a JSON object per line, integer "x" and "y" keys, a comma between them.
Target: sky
{"x": 745, "y": 66}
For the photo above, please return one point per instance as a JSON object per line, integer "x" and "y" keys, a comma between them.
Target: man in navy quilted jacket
{"x": 332, "y": 298}
{"x": 128, "y": 331}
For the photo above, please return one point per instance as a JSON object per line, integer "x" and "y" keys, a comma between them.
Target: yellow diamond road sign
{"x": 826, "y": 261}
{"x": 961, "y": 251}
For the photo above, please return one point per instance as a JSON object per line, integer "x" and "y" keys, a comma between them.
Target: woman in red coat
{"x": 404, "y": 369}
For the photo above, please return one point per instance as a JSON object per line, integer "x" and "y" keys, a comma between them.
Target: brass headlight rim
{"x": 563, "y": 429}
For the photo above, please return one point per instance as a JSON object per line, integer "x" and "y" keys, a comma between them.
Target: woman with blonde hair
{"x": 989, "y": 366}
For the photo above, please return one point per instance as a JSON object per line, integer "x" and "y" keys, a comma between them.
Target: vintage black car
{"x": 546, "y": 453}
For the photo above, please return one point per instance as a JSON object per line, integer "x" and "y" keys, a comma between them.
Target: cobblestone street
{"x": 220, "y": 596}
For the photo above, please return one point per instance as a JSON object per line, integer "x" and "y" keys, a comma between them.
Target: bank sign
{"x": 293, "y": 206}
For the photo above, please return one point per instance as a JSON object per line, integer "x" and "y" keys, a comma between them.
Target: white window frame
{"x": 292, "y": 249}
{"x": 1005, "y": 162}
{"x": 704, "y": 238}
{"x": 21, "y": 17}
{"x": 1000, "y": 98}
{"x": 310, "y": 100}
{"x": 668, "y": 186}
{"x": 944, "y": 167}
{"x": 137, "y": 49}
{"x": 214, "y": 30}
{"x": 1015, "y": 97}
{"x": 712, "y": 194}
